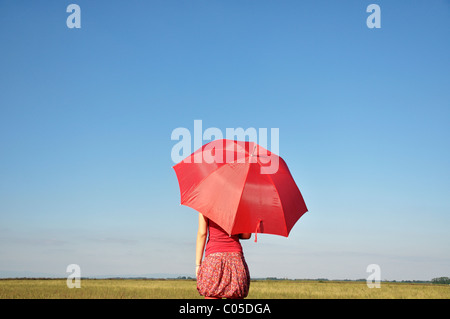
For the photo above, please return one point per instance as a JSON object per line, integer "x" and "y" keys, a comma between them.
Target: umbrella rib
{"x": 187, "y": 196}
{"x": 281, "y": 202}
{"x": 190, "y": 192}
{"x": 240, "y": 197}
{"x": 203, "y": 179}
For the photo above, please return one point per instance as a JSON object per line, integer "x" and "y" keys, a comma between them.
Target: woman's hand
{"x": 196, "y": 270}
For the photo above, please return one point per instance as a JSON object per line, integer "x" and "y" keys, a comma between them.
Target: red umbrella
{"x": 242, "y": 187}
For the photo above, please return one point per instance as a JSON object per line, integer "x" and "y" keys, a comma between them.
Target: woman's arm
{"x": 201, "y": 240}
{"x": 245, "y": 236}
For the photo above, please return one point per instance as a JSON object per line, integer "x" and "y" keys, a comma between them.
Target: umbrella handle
{"x": 258, "y": 229}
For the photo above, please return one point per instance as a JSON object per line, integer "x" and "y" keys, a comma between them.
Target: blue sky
{"x": 86, "y": 117}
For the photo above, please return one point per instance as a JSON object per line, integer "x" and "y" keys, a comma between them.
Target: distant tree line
{"x": 438, "y": 280}
{"x": 441, "y": 281}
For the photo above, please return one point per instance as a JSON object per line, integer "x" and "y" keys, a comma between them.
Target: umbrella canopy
{"x": 234, "y": 184}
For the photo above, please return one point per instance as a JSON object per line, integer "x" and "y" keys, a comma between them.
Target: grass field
{"x": 180, "y": 289}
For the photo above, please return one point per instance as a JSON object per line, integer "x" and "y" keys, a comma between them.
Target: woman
{"x": 223, "y": 272}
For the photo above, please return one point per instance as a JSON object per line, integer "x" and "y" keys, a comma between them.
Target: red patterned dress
{"x": 223, "y": 272}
